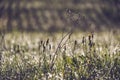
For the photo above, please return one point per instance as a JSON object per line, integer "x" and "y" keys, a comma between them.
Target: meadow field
{"x": 59, "y": 40}
{"x": 60, "y": 56}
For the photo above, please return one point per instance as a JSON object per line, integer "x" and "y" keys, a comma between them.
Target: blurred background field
{"x": 50, "y": 15}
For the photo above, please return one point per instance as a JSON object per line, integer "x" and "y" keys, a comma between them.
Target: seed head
{"x": 75, "y": 43}
{"x": 47, "y": 42}
{"x": 89, "y": 37}
{"x": 41, "y": 42}
{"x": 49, "y": 47}
{"x": 92, "y": 35}
{"x": 83, "y": 40}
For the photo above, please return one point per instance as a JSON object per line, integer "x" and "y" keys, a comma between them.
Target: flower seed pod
{"x": 83, "y": 40}
{"x": 49, "y": 46}
{"x": 75, "y": 43}
{"x": 92, "y": 35}
{"x": 89, "y": 37}
{"x": 47, "y": 42}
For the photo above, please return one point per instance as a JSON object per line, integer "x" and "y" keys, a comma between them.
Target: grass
{"x": 60, "y": 56}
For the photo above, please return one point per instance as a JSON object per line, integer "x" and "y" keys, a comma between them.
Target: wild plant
{"x": 74, "y": 56}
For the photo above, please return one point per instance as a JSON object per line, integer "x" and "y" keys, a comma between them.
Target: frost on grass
{"x": 79, "y": 56}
